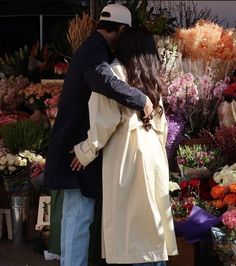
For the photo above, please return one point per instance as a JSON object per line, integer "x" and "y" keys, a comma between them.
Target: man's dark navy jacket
{"x": 88, "y": 71}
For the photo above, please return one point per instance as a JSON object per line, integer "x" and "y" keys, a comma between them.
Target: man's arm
{"x": 100, "y": 78}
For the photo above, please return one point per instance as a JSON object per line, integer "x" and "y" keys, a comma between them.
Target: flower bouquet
{"x": 224, "y": 190}
{"x": 224, "y": 238}
{"x": 16, "y": 169}
{"x": 193, "y": 216}
{"x": 36, "y": 94}
{"x": 195, "y": 161}
{"x": 13, "y": 170}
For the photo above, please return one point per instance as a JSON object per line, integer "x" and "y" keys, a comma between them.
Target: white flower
{"x": 18, "y": 160}
{"x": 226, "y": 176}
{"x": 3, "y": 160}
{"x": 173, "y": 186}
{"x": 40, "y": 159}
{"x": 12, "y": 168}
{"x": 23, "y": 162}
{"x": 11, "y": 161}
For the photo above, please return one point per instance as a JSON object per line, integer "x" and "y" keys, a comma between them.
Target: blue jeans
{"x": 77, "y": 215}
{"x": 158, "y": 263}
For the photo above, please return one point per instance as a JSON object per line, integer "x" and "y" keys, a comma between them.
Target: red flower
{"x": 61, "y": 68}
{"x": 230, "y": 90}
{"x": 183, "y": 185}
{"x": 194, "y": 182}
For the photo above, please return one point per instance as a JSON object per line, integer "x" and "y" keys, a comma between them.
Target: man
{"x": 88, "y": 71}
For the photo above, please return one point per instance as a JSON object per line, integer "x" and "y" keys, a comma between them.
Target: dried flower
{"x": 223, "y": 139}
{"x": 207, "y": 40}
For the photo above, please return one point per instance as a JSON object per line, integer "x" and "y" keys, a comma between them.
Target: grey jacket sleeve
{"x": 101, "y": 80}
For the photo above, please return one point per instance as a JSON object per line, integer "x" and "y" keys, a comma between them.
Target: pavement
{"x": 12, "y": 254}
{"x": 21, "y": 255}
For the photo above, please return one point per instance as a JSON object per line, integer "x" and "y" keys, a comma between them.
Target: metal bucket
{"x": 20, "y": 207}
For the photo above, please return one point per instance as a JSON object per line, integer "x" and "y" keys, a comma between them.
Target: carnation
{"x": 229, "y": 219}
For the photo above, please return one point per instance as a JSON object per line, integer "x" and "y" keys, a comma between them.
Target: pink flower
{"x": 229, "y": 219}
{"x": 219, "y": 88}
{"x": 188, "y": 77}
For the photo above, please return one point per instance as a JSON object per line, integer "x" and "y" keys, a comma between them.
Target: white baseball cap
{"x": 116, "y": 13}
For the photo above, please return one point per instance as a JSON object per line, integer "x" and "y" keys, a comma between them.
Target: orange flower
{"x": 218, "y": 191}
{"x": 218, "y": 203}
{"x": 230, "y": 199}
{"x": 232, "y": 188}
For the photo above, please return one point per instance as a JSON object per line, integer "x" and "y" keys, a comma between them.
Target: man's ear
{"x": 122, "y": 28}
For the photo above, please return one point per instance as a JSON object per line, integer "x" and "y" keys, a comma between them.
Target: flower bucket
{"x": 15, "y": 182}
{"x": 20, "y": 207}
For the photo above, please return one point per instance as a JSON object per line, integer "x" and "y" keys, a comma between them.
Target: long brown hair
{"x": 137, "y": 52}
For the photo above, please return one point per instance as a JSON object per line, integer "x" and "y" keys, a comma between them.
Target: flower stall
{"x": 199, "y": 96}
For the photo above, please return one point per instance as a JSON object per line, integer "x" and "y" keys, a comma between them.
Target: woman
{"x": 137, "y": 223}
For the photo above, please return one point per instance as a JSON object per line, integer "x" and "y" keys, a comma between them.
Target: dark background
{"x": 19, "y": 21}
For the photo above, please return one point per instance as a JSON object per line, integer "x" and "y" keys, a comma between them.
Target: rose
{"x": 218, "y": 191}
{"x": 218, "y": 203}
{"x": 230, "y": 199}
{"x": 232, "y": 188}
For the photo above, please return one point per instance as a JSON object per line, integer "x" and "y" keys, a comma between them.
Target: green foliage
{"x": 25, "y": 135}
{"x": 157, "y": 20}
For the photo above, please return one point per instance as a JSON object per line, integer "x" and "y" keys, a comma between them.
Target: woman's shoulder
{"x": 118, "y": 69}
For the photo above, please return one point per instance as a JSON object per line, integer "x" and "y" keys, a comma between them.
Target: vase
{"x": 20, "y": 207}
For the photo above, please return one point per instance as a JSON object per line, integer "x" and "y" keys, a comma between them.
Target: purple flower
{"x": 176, "y": 126}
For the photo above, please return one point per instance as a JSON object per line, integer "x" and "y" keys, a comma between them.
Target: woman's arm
{"x": 104, "y": 117}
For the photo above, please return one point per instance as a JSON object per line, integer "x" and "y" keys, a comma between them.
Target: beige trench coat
{"x": 137, "y": 224}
